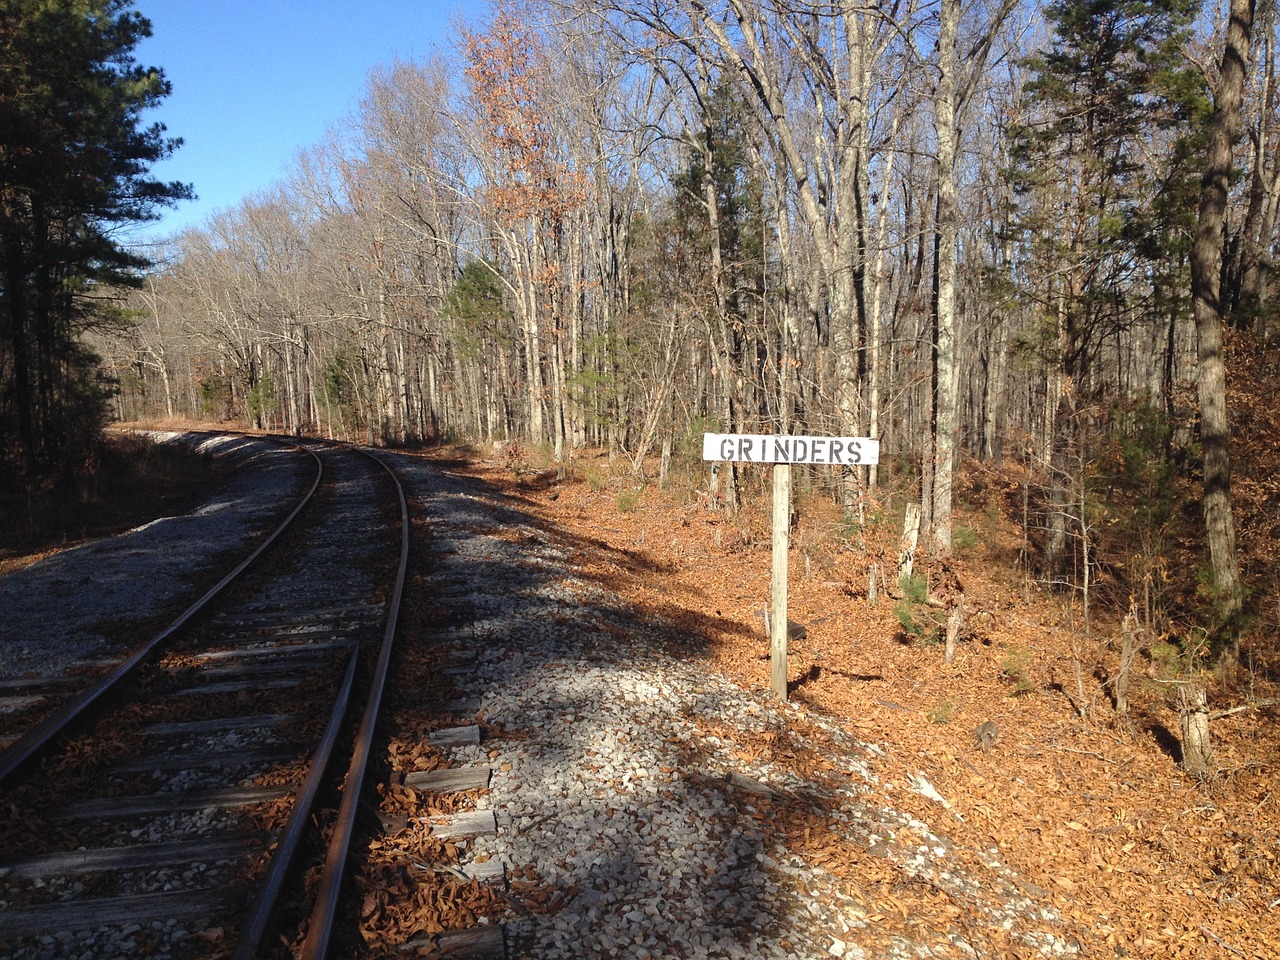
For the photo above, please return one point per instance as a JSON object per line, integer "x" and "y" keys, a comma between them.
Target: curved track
{"x": 41, "y": 739}
{"x": 171, "y": 825}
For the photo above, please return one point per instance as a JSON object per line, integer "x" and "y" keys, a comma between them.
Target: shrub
{"x": 920, "y": 623}
{"x": 1016, "y": 670}
{"x": 943, "y": 712}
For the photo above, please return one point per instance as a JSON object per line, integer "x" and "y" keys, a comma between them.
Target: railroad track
{"x": 37, "y": 710}
{"x": 164, "y": 811}
{"x": 555, "y": 777}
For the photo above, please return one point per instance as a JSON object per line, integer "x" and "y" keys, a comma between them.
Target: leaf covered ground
{"x": 1089, "y": 808}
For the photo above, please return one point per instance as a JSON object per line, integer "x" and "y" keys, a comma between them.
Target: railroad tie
{"x": 454, "y": 736}
{"x": 477, "y": 943}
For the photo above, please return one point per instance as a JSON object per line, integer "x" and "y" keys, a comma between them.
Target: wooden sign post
{"x": 782, "y": 452}
{"x": 778, "y": 583}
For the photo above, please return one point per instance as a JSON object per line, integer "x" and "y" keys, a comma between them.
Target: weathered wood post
{"x": 782, "y": 452}
{"x": 778, "y": 589}
{"x": 1197, "y": 747}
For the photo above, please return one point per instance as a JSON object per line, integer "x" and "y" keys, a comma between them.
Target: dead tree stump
{"x": 1197, "y": 748}
{"x": 1129, "y": 628}
{"x": 955, "y": 624}
{"x": 910, "y": 540}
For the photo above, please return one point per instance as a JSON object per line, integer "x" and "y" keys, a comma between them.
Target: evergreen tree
{"x": 721, "y": 160}
{"x": 74, "y": 166}
{"x": 1102, "y": 165}
{"x": 1110, "y": 88}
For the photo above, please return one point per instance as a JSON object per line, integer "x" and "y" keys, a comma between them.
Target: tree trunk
{"x": 1129, "y": 627}
{"x": 1259, "y": 221}
{"x": 955, "y": 624}
{"x": 721, "y": 337}
{"x": 534, "y": 382}
{"x": 994, "y": 392}
{"x": 875, "y": 305}
{"x": 1197, "y": 747}
{"x": 1206, "y": 259}
{"x": 1058, "y": 430}
{"x": 907, "y": 549}
{"x": 948, "y": 226}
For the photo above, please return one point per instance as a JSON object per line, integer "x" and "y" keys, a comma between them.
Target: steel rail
{"x": 320, "y": 926}
{"x": 34, "y": 742}
{"x": 262, "y": 910}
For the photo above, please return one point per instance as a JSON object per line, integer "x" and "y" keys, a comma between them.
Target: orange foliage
{"x": 505, "y": 67}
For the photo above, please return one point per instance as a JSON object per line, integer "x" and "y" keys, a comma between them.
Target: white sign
{"x": 763, "y": 448}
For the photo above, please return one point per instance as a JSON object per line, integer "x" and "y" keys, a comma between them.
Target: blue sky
{"x": 255, "y": 81}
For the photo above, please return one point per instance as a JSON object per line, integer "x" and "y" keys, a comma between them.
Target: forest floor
{"x": 1090, "y": 808}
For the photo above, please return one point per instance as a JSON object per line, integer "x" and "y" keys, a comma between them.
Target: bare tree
{"x": 1206, "y": 293}
{"x": 950, "y": 97}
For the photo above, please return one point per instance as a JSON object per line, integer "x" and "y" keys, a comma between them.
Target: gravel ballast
{"x": 75, "y": 607}
{"x": 622, "y": 774}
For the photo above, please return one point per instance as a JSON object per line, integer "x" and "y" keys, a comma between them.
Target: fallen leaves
{"x": 1094, "y": 821}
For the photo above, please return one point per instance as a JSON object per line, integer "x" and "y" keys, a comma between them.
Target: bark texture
{"x": 1197, "y": 747}
{"x": 1206, "y": 291}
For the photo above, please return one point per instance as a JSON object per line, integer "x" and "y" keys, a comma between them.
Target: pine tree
{"x": 1095, "y": 209}
{"x": 719, "y": 162}
{"x": 74, "y": 167}
{"x": 1112, "y": 80}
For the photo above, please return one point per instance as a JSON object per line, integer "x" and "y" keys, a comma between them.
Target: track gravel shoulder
{"x": 89, "y": 603}
{"x": 647, "y": 807}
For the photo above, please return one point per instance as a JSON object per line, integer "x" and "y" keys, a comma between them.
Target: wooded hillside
{"x": 970, "y": 230}
{"x": 75, "y": 162}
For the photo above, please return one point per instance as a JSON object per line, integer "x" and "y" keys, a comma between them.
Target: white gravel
{"x": 59, "y": 611}
{"x": 612, "y": 791}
